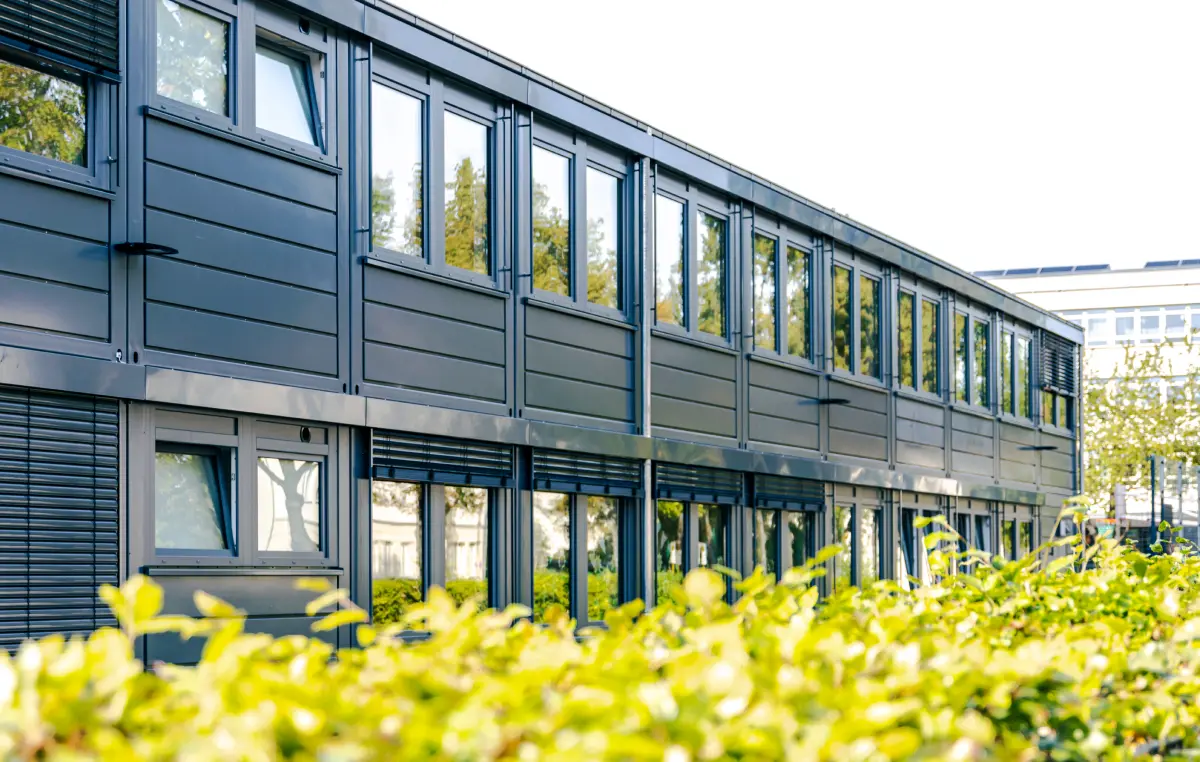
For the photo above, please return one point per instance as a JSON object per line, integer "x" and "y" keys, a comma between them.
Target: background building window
{"x": 907, "y": 357}
{"x": 193, "y": 506}
{"x": 799, "y": 303}
{"x": 604, "y": 271}
{"x": 43, "y": 114}
{"x": 841, "y": 318}
{"x": 710, "y": 274}
{"x": 765, "y": 292}
{"x": 289, "y": 505}
{"x": 192, "y": 57}
{"x": 930, "y": 346}
{"x": 397, "y": 171}
{"x": 552, "y": 250}
{"x": 466, "y": 200}
{"x": 283, "y": 93}
{"x": 669, "y": 257}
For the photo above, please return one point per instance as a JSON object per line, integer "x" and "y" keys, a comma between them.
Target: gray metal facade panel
{"x": 920, "y": 434}
{"x": 782, "y": 406}
{"x": 1018, "y": 462}
{"x": 693, "y": 389}
{"x": 858, "y": 428}
{"x": 58, "y": 512}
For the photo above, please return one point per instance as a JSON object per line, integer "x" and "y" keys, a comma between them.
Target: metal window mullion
{"x": 435, "y": 150}
{"x": 579, "y": 226}
{"x": 578, "y": 581}
{"x": 434, "y": 537}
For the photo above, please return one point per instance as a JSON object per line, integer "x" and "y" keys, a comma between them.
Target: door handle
{"x": 141, "y": 248}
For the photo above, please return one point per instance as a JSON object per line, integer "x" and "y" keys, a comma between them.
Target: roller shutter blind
{"x": 673, "y": 481}
{"x": 78, "y": 33}
{"x": 58, "y": 513}
{"x": 558, "y": 471}
{"x": 1058, "y": 364}
{"x": 441, "y": 460}
{"x": 788, "y": 492}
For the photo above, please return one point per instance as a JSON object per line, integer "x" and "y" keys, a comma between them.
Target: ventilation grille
{"x": 588, "y": 474}
{"x": 79, "y": 33}
{"x": 58, "y": 513}
{"x": 1058, "y": 364}
{"x": 787, "y": 492}
{"x": 696, "y": 484}
{"x": 407, "y": 457}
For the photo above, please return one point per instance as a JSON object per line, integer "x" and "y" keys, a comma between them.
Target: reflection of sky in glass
{"x": 396, "y": 166}
{"x": 668, "y": 259}
{"x": 465, "y": 139}
{"x": 552, "y": 176}
{"x": 551, "y": 222}
{"x": 603, "y": 202}
{"x": 281, "y": 95}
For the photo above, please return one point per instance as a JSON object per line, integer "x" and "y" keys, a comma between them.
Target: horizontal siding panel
{"x": 46, "y": 256}
{"x": 857, "y": 445}
{"x": 923, "y": 456}
{"x": 53, "y": 210}
{"x": 1054, "y": 478}
{"x": 678, "y": 354}
{"x": 916, "y": 432}
{"x": 856, "y": 419}
{"x": 1011, "y": 451}
{"x": 690, "y": 416}
{"x": 972, "y": 424}
{"x": 428, "y": 333}
{"x": 257, "y": 596}
{"x": 219, "y": 159}
{"x": 566, "y": 329}
{"x": 242, "y": 252}
{"x": 1017, "y": 434}
{"x": 227, "y": 338}
{"x": 1018, "y": 472}
{"x": 239, "y": 296}
{"x": 424, "y": 372}
{"x": 442, "y": 299}
{"x": 51, "y": 307}
{"x": 933, "y": 415}
{"x": 681, "y": 384}
{"x": 1058, "y": 460}
{"x": 866, "y": 399}
{"x": 169, "y": 647}
{"x": 962, "y": 441}
{"x": 778, "y": 431}
{"x": 970, "y": 464}
{"x": 794, "y": 382}
{"x": 783, "y": 405}
{"x": 578, "y": 398}
{"x": 224, "y": 204}
{"x": 578, "y": 363}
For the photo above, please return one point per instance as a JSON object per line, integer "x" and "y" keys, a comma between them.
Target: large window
{"x": 783, "y": 539}
{"x": 842, "y": 323}
{"x": 424, "y": 535}
{"x": 799, "y": 303}
{"x": 397, "y": 170}
{"x": 678, "y": 550}
{"x": 466, "y": 206}
{"x": 1023, "y": 394}
{"x": 919, "y": 342}
{"x": 1007, "y": 354}
{"x": 605, "y": 273}
{"x": 962, "y": 339}
{"x": 43, "y": 114}
{"x": 781, "y": 293}
{"x": 914, "y": 556}
{"x": 843, "y": 534}
{"x": 981, "y": 364}
{"x": 766, "y": 294}
{"x": 972, "y": 359}
{"x": 868, "y": 326}
{"x": 1015, "y": 360}
{"x": 856, "y": 320}
{"x": 192, "y": 57}
{"x": 931, "y": 342}
{"x": 692, "y": 241}
{"x": 576, "y": 555}
{"x": 194, "y": 499}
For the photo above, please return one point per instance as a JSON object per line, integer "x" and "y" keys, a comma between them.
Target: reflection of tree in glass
{"x": 929, "y": 346}
{"x": 960, "y": 357}
{"x": 467, "y": 219}
{"x": 710, "y": 275}
{"x": 551, "y": 244}
{"x": 41, "y": 114}
{"x": 982, "y": 387}
{"x": 294, "y": 482}
{"x": 192, "y": 57}
{"x": 1006, "y": 353}
{"x": 764, "y": 292}
{"x": 602, "y": 555}
{"x": 668, "y": 260}
{"x": 868, "y": 320}
{"x": 186, "y": 503}
{"x": 409, "y": 239}
{"x": 765, "y": 540}
{"x": 906, "y": 339}
{"x": 798, "y": 303}
{"x": 841, "y": 318}
{"x": 604, "y": 200}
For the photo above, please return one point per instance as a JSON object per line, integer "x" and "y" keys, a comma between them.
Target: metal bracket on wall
{"x": 141, "y": 248}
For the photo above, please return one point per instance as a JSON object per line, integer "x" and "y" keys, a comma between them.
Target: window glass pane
{"x": 603, "y": 556}
{"x": 466, "y": 201}
{"x": 1195, "y": 319}
{"x": 843, "y": 534}
{"x": 841, "y": 318}
{"x": 668, "y": 260}
{"x": 713, "y": 535}
{"x": 1024, "y": 398}
{"x": 551, "y": 553}
{"x": 397, "y": 171}
{"x": 908, "y": 546}
{"x": 282, "y": 99}
{"x": 981, "y": 365}
{"x": 799, "y": 302}
{"x": 42, "y": 115}
{"x": 551, "y": 222}
{"x": 289, "y": 505}
{"x": 1025, "y": 537}
{"x": 930, "y": 342}
{"x": 1007, "y": 529}
{"x": 193, "y": 56}
{"x": 1176, "y": 325}
{"x": 604, "y": 239}
{"x": 869, "y": 547}
{"x": 983, "y": 533}
{"x": 961, "y": 390}
{"x": 1151, "y": 328}
{"x": 468, "y": 548}
{"x": 962, "y": 524}
{"x": 801, "y": 538}
{"x": 1047, "y": 407}
{"x": 766, "y": 540}
{"x": 764, "y": 292}
{"x": 1006, "y": 376}
{"x": 668, "y": 551}
{"x": 1097, "y": 331}
{"x": 1062, "y": 411}
{"x": 710, "y": 275}
{"x": 397, "y": 543}
{"x": 868, "y": 320}
{"x": 190, "y": 502}
{"x": 905, "y": 339}
{"x": 1125, "y": 330}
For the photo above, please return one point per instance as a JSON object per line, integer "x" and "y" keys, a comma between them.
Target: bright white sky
{"x": 1001, "y": 135}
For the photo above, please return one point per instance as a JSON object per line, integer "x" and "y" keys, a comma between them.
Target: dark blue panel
{"x": 43, "y": 255}
{"x": 51, "y": 307}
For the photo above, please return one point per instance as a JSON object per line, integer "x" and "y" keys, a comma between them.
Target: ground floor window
{"x": 687, "y": 536}
{"x": 576, "y": 555}
{"x": 783, "y": 539}
{"x": 913, "y": 557}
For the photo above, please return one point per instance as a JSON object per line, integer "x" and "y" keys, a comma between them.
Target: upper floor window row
{"x": 782, "y": 293}
{"x": 691, "y": 261}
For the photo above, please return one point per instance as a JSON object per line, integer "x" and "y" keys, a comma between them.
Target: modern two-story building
{"x": 320, "y": 289}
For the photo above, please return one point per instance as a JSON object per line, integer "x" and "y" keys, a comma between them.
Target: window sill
{"x": 677, "y": 334}
{"x": 791, "y": 362}
{"x": 978, "y": 412}
{"x": 926, "y": 397}
{"x": 417, "y": 271}
{"x": 243, "y": 571}
{"x": 575, "y": 309}
{"x": 863, "y": 382}
{"x": 1014, "y": 420}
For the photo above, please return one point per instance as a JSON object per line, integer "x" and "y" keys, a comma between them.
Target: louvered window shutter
{"x": 81, "y": 34}
{"x": 441, "y": 460}
{"x": 58, "y": 513}
{"x": 673, "y": 481}
{"x": 1058, "y": 366}
{"x": 788, "y": 493}
{"x": 558, "y": 471}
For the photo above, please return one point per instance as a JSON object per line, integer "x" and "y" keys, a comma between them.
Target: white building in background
{"x": 1118, "y": 309}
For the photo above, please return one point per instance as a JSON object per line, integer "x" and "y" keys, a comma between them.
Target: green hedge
{"x": 1085, "y": 659}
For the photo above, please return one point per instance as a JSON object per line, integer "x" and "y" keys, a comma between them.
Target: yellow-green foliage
{"x": 1010, "y": 662}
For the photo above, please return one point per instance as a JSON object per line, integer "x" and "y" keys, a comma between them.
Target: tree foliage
{"x": 1128, "y": 418}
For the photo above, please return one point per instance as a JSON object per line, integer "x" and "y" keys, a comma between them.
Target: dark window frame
{"x": 284, "y": 32}
{"x": 786, "y": 237}
{"x": 382, "y": 80}
{"x": 577, "y": 530}
{"x": 221, "y": 10}
{"x": 973, "y": 316}
{"x": 811, "y": 514}
{"x": 690, "y": 519}
{"x": 1018, "y": 333}
{"x": 326, "y": 536}
{"x": 861, "y": 267}
{"x": 224, "y": 456}
{"x": 696, "y": 199}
